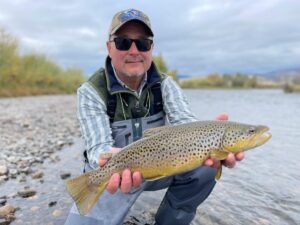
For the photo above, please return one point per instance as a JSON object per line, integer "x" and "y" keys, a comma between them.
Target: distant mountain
{"x": 279, "y": 74}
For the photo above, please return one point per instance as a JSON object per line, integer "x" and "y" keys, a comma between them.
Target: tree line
{"x": 32, "y": 74}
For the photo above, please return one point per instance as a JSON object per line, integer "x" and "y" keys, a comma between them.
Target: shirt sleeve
{"x": 176, "y": 105}
{"x": 94, "y": 123}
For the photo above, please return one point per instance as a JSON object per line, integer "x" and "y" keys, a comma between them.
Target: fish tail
{"x": 83, "y": 193}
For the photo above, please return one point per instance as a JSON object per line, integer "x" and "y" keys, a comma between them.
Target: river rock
{"x": 2, "y": 201}
{"x": 3, "y": 170}
{"x": 27, "y": 193}
{"x": 3, "y": 178}
{"x": 57, "y": 213}
{"x": 6, "y": 210}
{"x": 53, "y": 203}
{"x": 38, "y": 174}
{"x": 65, "y": 175}
{"x": 13, "y": 173}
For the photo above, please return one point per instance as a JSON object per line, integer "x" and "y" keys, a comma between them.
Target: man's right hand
{"x": 125, "y": 182}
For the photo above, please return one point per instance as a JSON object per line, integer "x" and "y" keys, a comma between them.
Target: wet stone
{"x": 3, "y": 170}
{"x": 13, "y": 173}
{"x": 2, "y": 201}
{"x": 3, "y": 178}
{"x": 6, "y": 210}
{"x": 57, "y": 213}
{"x": 52, "y": 203}
{"x": 65, "y": 175}
{"x": 38, "y": 174}
{"x": 26, "y": 193}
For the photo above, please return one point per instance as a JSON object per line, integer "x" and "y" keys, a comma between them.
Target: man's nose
{"x": 133, "y": 49}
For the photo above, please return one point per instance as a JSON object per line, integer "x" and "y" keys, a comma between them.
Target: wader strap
{"x": 157, "y": 95}
{"x": 111, "y": 106}
{"x": 157, "y": 99}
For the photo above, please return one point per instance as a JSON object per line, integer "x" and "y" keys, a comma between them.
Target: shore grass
{"x": 32, "y": 74}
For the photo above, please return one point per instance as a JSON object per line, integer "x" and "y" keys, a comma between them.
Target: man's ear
{"x": 108, "y": 46}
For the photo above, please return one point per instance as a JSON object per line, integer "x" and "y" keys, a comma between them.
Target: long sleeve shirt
{"x": 94, "y": 121}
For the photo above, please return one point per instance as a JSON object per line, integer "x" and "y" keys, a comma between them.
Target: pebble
{"x": 38, "y": 174}
{"x": 2, "y": 201}
{"x": 34, "y": 208}
{"x": 26, "y": 193}
{"x": 3, "y": 179}
{"x": 3, "y": 170}
{"x": 52, "y": 203}
{"x": 32, "y": 133}
{"x": 57, "y": 213}
{"x": 6, "y": 210}
{"x": 65, "y": 175}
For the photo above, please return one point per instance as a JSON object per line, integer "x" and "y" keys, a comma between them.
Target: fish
{"x": 166, "y": 151}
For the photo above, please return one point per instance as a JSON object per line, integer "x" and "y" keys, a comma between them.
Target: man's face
{"x": 130, "y": 63}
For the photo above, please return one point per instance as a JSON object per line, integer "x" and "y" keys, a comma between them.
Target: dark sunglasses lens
{"x": 123, "y": 44}
{"x": 143, "y": 45}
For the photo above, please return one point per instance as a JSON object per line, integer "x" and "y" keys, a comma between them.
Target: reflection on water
{"x": 265, "y": 187}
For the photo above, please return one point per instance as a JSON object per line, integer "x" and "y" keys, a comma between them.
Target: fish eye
{"x": 251, "y": 130}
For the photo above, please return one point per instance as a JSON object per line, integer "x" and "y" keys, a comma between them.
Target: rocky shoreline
{"x": 32, "y": 130}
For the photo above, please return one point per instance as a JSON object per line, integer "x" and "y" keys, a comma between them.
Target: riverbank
{"x": 32, "y": 130}
{"x": 40, "y": 146}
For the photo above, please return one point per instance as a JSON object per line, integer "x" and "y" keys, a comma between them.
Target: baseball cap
{"x": 125, "y": 16}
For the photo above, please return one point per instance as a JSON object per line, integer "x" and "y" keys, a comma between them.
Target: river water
{"x": 265, "y": 187}
{"x": 262, "y": 189}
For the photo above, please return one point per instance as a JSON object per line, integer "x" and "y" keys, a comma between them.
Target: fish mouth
{"x": 262, "y": 136}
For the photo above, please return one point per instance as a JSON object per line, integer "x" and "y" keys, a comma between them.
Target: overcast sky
{"x": 194, "y": 37}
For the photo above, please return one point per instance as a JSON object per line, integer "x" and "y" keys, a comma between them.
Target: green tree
{"x": 162, "y": 66}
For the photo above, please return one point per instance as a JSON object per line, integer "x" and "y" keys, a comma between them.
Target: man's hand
{"x": 231, "y": 159}
{"x": 125, "y": 182}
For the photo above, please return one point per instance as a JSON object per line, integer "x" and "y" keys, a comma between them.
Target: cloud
{"x": 195, "y": 38}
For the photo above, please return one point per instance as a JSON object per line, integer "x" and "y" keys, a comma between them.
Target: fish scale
{"x": 166, "y": 151}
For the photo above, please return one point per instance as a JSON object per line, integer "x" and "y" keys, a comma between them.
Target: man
{"x": 115, "y": 106}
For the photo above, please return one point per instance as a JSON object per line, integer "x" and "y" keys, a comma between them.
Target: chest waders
{"x": 185, "y": 191}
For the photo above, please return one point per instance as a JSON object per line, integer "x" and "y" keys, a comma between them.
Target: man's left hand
{"x": 231, "y": 159}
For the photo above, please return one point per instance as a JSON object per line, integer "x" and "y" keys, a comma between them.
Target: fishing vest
{"x": 130, "y": 115}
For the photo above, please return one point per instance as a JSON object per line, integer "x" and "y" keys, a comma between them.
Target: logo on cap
{"x": 131, "y": 14}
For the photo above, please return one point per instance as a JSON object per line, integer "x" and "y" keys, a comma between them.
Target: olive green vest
{"x": 128, "y": 105}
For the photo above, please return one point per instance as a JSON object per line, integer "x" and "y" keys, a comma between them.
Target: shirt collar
{"x": 114, "y": 84}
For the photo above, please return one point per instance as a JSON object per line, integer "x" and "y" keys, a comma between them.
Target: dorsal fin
{"x": 152, "y": 131}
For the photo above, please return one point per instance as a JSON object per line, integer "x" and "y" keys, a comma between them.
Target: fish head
{"x": 242, "y": 137}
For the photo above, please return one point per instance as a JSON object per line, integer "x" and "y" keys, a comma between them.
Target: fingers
{"x": 102, "y": 161}
{"x": 222, "y": 116}
{"x": 212, "y": 162}
{"x": 125, "y": 183}
{"x": 231, "y": 159}
{"x": 113, "y": 183}
{"x": 239, "y": 156}
{"x": 107, "y": 155}
{"x": 136, "y": 179}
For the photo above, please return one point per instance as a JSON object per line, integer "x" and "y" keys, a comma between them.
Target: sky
{"x": 195, "y": 37}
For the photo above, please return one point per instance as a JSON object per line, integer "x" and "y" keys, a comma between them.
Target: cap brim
{"x": 113, "y": 31}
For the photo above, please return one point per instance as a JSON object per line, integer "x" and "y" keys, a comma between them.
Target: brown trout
{"x": 169, "y": 150}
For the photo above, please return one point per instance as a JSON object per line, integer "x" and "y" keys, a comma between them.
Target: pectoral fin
{"x": 219, "y": 173}
{"x": 219, "y": 154}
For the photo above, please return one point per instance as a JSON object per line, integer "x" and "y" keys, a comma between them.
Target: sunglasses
{"x": 124, "y": 43}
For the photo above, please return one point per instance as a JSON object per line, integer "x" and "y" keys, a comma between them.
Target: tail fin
{"x": 84, "y": 194}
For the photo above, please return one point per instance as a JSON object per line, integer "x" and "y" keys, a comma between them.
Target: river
{"x": 265, "y": 187}
{"x": 262, "y": 189}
